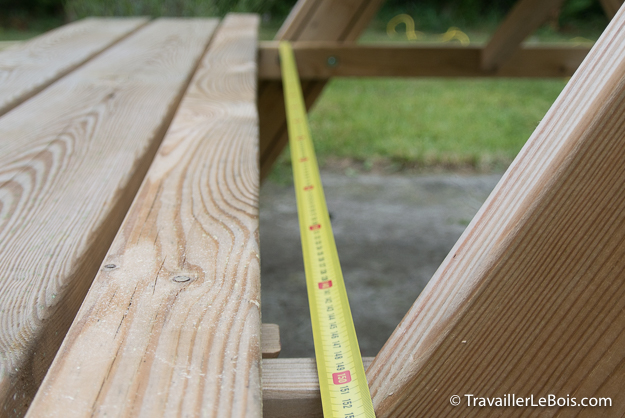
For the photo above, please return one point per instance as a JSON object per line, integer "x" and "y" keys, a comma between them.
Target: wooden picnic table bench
{"x": 129, "y": 259}
{"x": 173, "y": 314}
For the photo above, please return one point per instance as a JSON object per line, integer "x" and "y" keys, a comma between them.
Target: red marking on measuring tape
{"x": 309, "y": 187}
{"x": 342, "y": 377}
{"x": 325, "y": 285}
{"x": 314, "y": 227}
{"x": 303, "y": 160}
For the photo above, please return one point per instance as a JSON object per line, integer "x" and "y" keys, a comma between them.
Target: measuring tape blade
{"x": 342, "y": 380}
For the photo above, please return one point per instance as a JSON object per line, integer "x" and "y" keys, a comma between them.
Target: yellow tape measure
{"x": 344, "y": 388}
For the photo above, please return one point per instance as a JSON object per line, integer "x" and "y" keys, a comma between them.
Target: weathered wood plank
{"x": 291, "y": 388}
{"x": 417, "y": 61}
{"x": 29, "y": 67}
{"x": 525, "y": 17}
{"x": 270, "y": 340}
{"x": 173, "y": 329}
{"x": 531, "y": 300}
{"x": 319, "y": 20}
{"x": 71, "y": 161}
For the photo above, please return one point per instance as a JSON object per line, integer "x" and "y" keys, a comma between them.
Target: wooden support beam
{"x": 29, "y": 67}
{"x": 171, "y": 325}
{"x": 71, "y": 160}
{"x": 531, "y": 299}
{"x": 319, "y": 20}
{"x": 270, "y": 340}
{"x": 351, "y": 60}
{"x": 291, "y": 388}
{"x": 610, "y": 7}
{"x": 526, "y": 16}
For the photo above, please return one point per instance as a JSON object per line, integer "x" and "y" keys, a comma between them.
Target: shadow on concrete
{"x": 392, "y": 233}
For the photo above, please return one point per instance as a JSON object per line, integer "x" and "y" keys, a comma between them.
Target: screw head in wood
{"x": 181, "y": 279}
{"x": 109, "y": 267}
{"x": 332, "y": 61}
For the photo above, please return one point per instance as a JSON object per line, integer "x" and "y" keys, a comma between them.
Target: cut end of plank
{"x": 270, "y": 340}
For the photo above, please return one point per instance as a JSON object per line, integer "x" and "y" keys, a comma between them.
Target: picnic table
{"x": 129, "y": 259}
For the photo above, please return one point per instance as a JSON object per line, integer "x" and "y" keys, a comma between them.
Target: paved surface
{"x": 392, "y": 233}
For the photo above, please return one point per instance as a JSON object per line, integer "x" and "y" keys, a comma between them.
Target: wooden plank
{"x": 71, "y": 161}
{"x": 9, "y": 44}
{"x": 172, "y": 326}
{"x": 417, "y": 61}
{"x": 322, "y": 20}
{"x": 531, "y": 299}
{"x": 291, "y": 388}
{"x": 610, "y": 7}
{"x": 270, "y": 340}
{"x": 525, "y": 17}
{"x": 31, "y": 66}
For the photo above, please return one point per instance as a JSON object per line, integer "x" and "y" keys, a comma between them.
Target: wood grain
{"x": 71, "y": 161}
{"x": 291, "y": 388}
{"x": 172, "y": 326}
{"x": 531, "y": 299}
{"x": 31, "y": 66}
{"x": 417, "y": 61}
{"x": 318, "y": 20}
{"x": 270, "y": 340}
{"x": 525, "y": 17}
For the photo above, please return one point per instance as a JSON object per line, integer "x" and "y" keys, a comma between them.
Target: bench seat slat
{"x": 171, "y": 325}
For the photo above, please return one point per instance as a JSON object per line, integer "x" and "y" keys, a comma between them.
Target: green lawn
{"x": 396, "y": 124}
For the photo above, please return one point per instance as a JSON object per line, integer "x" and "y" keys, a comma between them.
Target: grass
{"x": 422, "y": 124}
{"x": 430, "y": 121}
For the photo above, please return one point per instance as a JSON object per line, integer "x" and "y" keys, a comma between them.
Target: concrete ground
{"x": 392, "y": 233}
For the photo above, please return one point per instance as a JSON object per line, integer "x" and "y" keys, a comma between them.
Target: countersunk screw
{"x": 181, "y": 279}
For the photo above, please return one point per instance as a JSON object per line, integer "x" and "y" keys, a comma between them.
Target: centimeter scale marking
{"x": 342, "y": 380}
